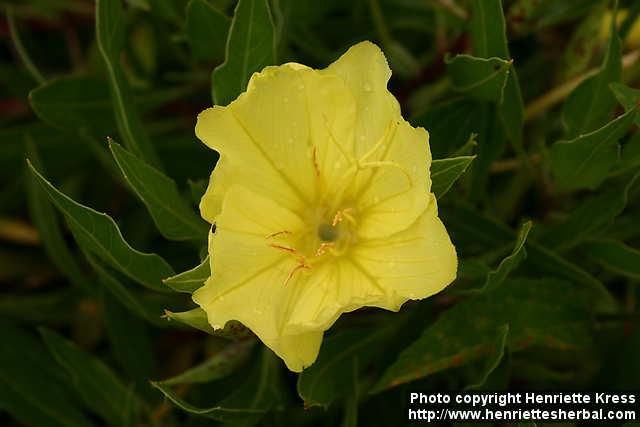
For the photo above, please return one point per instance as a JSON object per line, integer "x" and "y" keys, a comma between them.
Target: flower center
{"x": 328, "y": 233}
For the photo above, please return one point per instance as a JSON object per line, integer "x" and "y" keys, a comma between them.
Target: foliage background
{"x": 543, "y": 207}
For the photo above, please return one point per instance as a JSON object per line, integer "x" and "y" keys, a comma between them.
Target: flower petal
{"x": 280, "y": 135}
{"x": 397, "y": 192}
{"x": 249, "y": 277}
{"x": 365, "y": 71}
{"x": 413, "y": 264}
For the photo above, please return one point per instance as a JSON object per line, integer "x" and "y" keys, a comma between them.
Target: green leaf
{"x": 468, "y": 225}
{"x": 585, "y": 161}
{"x": 190, "y": 280}
{"x": 97, "y": 233}
{"x": 45, "y": 220}
{"x": 251, "y": 45}
{"x": 110, "y": 40}
{"x": 170, "y": 212}
{"x": 196, "y": 318}
{"x": 483, "y": 79}
{"x": 496, "y": 353}
{"x": 32, "y": 390}
{"x": 350, "y": 418}
{"x": 207, "y": 30}
{"x": 249, "y": 402}
{"x": 496, "y": 277}
{"x": 590, "y": 217}
{"x": 488, "y": 34}
{"x": 450, "y": 125}
{"x": 615, "y": 256}
{"x": 221, "y": 364}
{"x": 74, "y": 102}
{"x": 100, "y": 389}
{"x": 130, "y": 341}
{"x": 132, "y": 300}
{"x": 329, "y": 378}
{"x": 51, "y": 307}
{"x": 628, "y": 97}
{"x": 488, "y": 31}
{"x": 589, "y": 106}
{"x": 468, "y": 330}
{"x": 445, "y": 172}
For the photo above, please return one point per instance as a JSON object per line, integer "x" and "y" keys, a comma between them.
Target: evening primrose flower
{"x": 321, "y": 202}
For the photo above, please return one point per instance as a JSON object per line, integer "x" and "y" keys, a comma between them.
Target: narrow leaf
{"x": 590, "y": 217}
{"x": 196, "y": 318}
{"x": 110, "y": 40}
{"x": 628, "y": 97}
{"x": 170, "y": 212}
{"x": 74, "y": 103}
{"x": 207, "y": 30}
{"x": 445, "y": 172}
{"x": 330, "y": 376}
{"x": 496, "y": 277}
{"x": 483, "y": 79}
{"x": 248, "y": 402}
{"x": 100, "y": 389}
{"x": 132, "y": 300}
{"x": 251, "y": 45}
{"x": 97, "y": 233}
{"x": 32, "y": 390}
{"x": 589, "y": 106}
{"x": 467, "y": 331}
{"x": 221, "y": 364}
{"x": 496, "y": 353}
{"x": 585, "y": 161}
{"x": 615, "y": 256}
{"x": 44, "y": 218}
{"x": 488, "y": 34}
{"x": 130, "y": 341}
{"x": 190, "y": 280}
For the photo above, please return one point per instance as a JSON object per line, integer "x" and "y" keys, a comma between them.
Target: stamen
{"x": 295, "y": 269}
{"x": 322, "y": 249}
{"x": 343, "y": 214}
{"x": 279, "y": 233}
{"x": 316, "y": 166}
{"x": 284, "y": 248}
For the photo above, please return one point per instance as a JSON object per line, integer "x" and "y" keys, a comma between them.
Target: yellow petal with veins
{"x": 412, "y": 264}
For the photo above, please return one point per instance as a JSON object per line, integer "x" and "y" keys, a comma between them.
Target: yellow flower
{"x": 321, "y": 202}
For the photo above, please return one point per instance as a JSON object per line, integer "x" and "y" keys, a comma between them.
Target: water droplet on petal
{"x": 376, "y": 199}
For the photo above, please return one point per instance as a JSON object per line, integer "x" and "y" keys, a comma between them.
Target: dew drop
{"x": 375, "y": 199}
